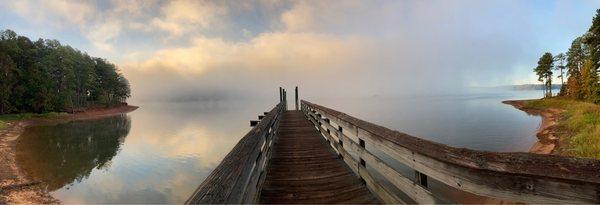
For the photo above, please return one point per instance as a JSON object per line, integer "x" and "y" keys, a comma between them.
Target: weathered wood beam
{"x": 522, "y": 177}
{"x": 238, "y": 177}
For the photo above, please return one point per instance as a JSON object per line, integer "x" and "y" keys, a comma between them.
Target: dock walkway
{"x": 318, "y": 155}
{"x": 305, "y": 169}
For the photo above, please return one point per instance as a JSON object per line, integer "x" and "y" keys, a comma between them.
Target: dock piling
{"x": 296, "y": 97}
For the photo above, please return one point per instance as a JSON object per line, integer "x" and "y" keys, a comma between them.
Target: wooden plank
{"x": 410, "y": 188}
{"x": 305, "y": 169}
{"x": 414, "y": 191}
{"x": 383, "y": 193}
{"x": 520, "y": 177}
{"x": 231, "y": 179}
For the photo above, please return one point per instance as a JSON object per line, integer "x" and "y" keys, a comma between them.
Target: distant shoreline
{"x": 547, "y": 141}
{"x": 16, "y": 187}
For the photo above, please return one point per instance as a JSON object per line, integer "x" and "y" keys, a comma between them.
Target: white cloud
{"x": 371, "y": 45}
{"x": 262, "y": 61}
{"x": 299, "y": 18}
{"x": 103, "y": 33}
{"x": 100, "y": 27}
{"x": 180, "y": 16}
{"x": 57, "y": 12}
{"x": 268, "y": 51}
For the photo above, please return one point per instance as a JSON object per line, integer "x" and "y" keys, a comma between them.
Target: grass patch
{"x": 25, "y": 116}
{"x": 579, "y": 126}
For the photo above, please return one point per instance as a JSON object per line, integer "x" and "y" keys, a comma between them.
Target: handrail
{"x": 238, "y": 178}
{"x": 519, "y": 177}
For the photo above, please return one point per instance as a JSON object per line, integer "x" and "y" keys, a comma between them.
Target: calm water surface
{"x": 162, "y": 151}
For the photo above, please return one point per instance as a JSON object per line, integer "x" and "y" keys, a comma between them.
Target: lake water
{"x": 161, "y": 152}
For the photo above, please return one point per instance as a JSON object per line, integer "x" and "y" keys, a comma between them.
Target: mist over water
{"x": 476, "y": 120}
{"x": 166, "y": 149}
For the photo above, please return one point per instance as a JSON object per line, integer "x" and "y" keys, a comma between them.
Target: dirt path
{"x": 15, "y": 185}
{"x": 546, "y": 134}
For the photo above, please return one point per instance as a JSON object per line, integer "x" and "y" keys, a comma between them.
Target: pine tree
{"x": 575, "y": 60}
{"x": 559, "y": 61}
{"x": 589, "y": 78}
{"x": 544, "y": 72}
{"x": 592, "y": 40}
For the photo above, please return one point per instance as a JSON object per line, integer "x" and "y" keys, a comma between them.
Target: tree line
{"x": 579, "y": 66}
{"x": 45, "y": 76}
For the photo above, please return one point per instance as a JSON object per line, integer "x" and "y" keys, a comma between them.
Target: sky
{"x": 195, "y": 49}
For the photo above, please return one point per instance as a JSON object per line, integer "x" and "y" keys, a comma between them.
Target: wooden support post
{"x": 296, "y": 97}
{"x": 285, "y": 99}
{"x": 280, "y": 94}
{"x": 327, "y": 129}
{"x": 340, "y": 141}
{"x": 363, "y": 164}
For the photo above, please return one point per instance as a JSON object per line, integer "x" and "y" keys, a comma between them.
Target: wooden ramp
{"x": 305, "y": 169}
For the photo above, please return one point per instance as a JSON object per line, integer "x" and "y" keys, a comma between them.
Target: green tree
{"x": 559, "y": 61}
{"x": 544, "y": 72}
{"x": 589, "y": 78}
{"x": 45, "y": 76}
{"x": 575, "y": 59}
{"x": 592, "y": 40}
{"x": 7, "y": 79}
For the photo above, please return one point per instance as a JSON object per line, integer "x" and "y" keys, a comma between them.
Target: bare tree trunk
{"x": 543, "y": 90}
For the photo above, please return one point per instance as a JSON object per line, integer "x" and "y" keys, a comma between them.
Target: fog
{"x": 344, "y": 48}
{"x": 200, "y": 50}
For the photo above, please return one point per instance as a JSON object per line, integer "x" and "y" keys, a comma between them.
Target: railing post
{"x": 340, "y": 133}
{"x": 328, "y": 131}
{"x": 285, "y": 99}
{"x": 296, "y": 97}
{"x": 280, "y": 94}
{"x": 363, "y": 164}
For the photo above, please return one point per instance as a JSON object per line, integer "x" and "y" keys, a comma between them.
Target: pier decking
{"x": 304, "y": 156}
{"x": 305, "y": 169}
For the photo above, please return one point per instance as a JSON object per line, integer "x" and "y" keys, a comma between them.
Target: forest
{"x": 45, "y": 76}
{"x": 577, "y": 68}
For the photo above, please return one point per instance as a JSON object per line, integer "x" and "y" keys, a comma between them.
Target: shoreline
{"x": 15, "y": 185}
{"x": 547, "y": 139}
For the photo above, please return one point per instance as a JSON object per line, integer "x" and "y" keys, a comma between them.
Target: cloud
{"x": 328, "y": 52}
{"x": 299, "y": 18}
{"x": 57, "y": 12}
{"x": 63, "y": 14}
{"x": 99, "y": 22}
{"x": 214, "y": 64}
{"x": 103, "y": 33}
{"x": 180, "y": 16}
{"x": 350, "y": 47}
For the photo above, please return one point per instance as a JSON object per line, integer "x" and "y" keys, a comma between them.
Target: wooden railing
{"x": 516, "y": 177}
{"x": 238, "y": 178}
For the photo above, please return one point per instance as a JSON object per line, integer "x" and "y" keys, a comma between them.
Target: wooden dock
{"x": 303, "y": 156}
{"x": 305, "y": 169}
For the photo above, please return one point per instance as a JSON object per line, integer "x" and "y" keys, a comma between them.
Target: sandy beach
{"x": 547, "y": 139}
{"x": 15, "y": 185}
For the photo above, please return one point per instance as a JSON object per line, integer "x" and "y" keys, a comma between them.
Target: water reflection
{"x": 172, "y": 147}
{"x": 68, "y": 153}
